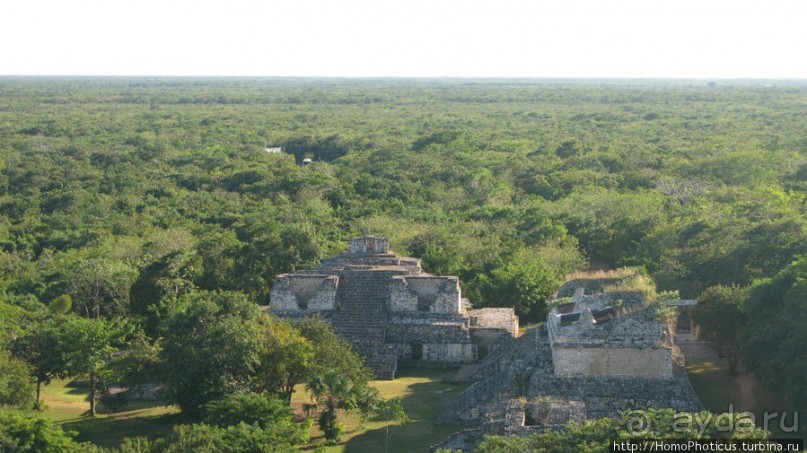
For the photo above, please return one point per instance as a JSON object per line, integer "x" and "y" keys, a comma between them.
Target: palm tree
{"x": 334, "y": 391}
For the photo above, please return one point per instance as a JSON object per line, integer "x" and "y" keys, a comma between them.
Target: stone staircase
{"x": 360, "y": 318}
{"x": 503, "y": 375}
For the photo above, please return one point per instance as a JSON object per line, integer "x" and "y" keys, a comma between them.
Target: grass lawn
{"x": 68, "y": 404}
{"x": 714, "y": 386}
{"x": 420, "y": 390}
{"x": 720, "y": 391}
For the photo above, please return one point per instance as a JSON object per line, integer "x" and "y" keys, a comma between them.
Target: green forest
{"x": 142, "y": 221}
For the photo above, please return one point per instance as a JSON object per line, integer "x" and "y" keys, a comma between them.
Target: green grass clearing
{"x": 420, "y": 390}
{"x": 720, "y": 392}
{"x": 714, "y": 386}
{"x": 67, "y": 404}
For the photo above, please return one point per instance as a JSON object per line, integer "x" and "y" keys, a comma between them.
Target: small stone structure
{"x": 603, "y": 352}
{"x": 686, "y": 334}
{"x": 305, "y": 292}
{"x": 390, "y": 310}
{"x": 592, "y": 337}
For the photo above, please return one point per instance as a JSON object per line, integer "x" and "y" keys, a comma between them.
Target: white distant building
{"x": 273, "y": 149}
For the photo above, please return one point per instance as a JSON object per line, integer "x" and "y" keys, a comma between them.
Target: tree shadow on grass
{"x": 78, "y": 387}
{"x": 109, "y": 431}
{"x": 422, "y": 403}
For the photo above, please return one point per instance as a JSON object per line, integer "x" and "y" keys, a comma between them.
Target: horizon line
{"x": 406, "y": 77}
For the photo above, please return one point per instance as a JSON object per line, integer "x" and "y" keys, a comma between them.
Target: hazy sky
{"x": 503, "y": 38}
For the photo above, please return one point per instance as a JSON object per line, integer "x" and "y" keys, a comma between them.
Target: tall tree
{"x": 101, "y": 287}
{"x": 16, "y": 389}
{"x": 773, "y": 344}
{"x": 524, "y": 283}
{"x": 89, "y": 346}
{"x": 332, "y": 351}
{"x": 334, "y": 391}
{"x": 286, "y": 358}
{"x": 23, "y": 431}
{"x": 212, "y": 348}
{"x": 392, "y": 412}
{"x": 720, "y": 319}
{"x": 40, "y": 346}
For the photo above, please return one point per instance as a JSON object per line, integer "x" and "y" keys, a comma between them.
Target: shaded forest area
{"x": 121, "y": 197}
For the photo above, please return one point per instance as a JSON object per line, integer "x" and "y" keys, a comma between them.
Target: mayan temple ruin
{"x": 602, "y": 350}
{"x": 390, "y": 310}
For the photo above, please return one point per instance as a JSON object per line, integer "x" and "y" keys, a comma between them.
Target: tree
{"x": 773, "y": 344}
{"x": 289, "y": 247}
{"x": 524, "y": 283}
{"x": 16, "y": 389}
{"x": 391, "y": 411}
{"x": 169, "y": 277}
{"x": 211, "y": 348}
{"x": 22, "y": 431}
{"x": 101, "y": 287}
{"x": 40, "y": 347}
{"x": 238, "y": 438}
{"x": 137, "y": 444}
{"x": 291, "y": 353}
{"x": 61, "y": 305}
{"x": 333, "y": 390}
{"x": 720, "y": 319}
{"x": 332, "y": 351}
{"x": 89, "y": 347}
{"x": 195, "y": 437}
{"x": 137, "y": 363}
{"x": 286, "y": 358}
{"x": 247, "y": 407}
{"x": 180, "y": 271}
{"x": 269, "y": 413}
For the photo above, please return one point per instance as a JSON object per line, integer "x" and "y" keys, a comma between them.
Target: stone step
{"x": 361, "y": 297}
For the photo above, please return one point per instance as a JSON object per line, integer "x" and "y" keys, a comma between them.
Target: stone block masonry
{"x": 389, "y": 309}
{"x": 307, "y": 293}
{"x": 596, "y": 356}
{"x": 627, "y": 342}
{"x": 425, "y": 294}
{"x": 369, "y": 244}
{"x": 649, "y": 363}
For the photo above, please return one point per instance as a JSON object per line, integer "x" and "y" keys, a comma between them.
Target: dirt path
{"x": 748, "y": 396}
{"x": 464, "y": 373}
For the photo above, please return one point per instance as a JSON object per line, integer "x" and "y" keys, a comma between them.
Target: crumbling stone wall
{"x": 589, "y": 286}
{"x": 494, "y": 318}
{"x": 431, "y": 339}
{"x": 308, "y": 293}
{"x": 449, "y": 352}
{"x": 487, "y": 339}
{"x": 425, "y": 294}
{"x": 500, "y": 377}
{"x": 593, "y": 358}
{"x": 648, "y": 363}
{"x": 526, "y": 416}
{"x": 608, "y": 396}
{"x": 631, "y": 345}
{"x": 697, "y": 351}
{"x": 369, "y": 245}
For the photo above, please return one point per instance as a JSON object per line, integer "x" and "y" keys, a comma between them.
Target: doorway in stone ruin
{"x": 417, "y": 351}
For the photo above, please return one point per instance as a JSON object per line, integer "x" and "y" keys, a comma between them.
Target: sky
{"x": 704, "y": 39}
